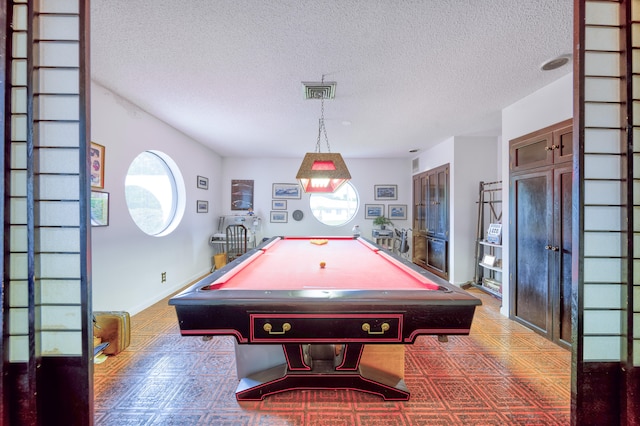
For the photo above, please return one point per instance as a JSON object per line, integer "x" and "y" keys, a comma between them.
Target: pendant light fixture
{"x": 322, "y": 171}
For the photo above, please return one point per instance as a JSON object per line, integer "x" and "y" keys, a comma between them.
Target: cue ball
{"x": 323, "y": 264}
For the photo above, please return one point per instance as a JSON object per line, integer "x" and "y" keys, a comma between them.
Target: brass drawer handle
{"x": 285, "y": 327}
{"x": 384, "y": 327}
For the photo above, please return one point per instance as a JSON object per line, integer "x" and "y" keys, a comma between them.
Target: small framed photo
{"x": 278, "y": 204}
{"x": 279, "y": 217}
{"x": 99, "y": 208}
{"x": 489, "y": 260}
{"x": 494, "y": 233}
{"x": 371, "y": 211}
{"x": 397, "y": 211}
{"x": 96, "y": 159}
{"x": 286, "y": 190}
{"x": 203, "y": 182}
{"x": 385, "y": 192}
{"x": 202, "y": 206}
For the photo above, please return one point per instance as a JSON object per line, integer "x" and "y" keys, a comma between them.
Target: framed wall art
{"x": 202, "y": 206}
{"x": 278, "y": 204}
{"x": 99, "y": 208}
{"x": 96, "y": 159}
{"x": 279, "y": 217}
{"x": 241, "y": 194}
{"x": 371, "y": 211}
{"x": 397, "y": 211}
{"x": 385, "y": 192}
{"x": 203, "y": 182}
{"x": 286, "y": 190}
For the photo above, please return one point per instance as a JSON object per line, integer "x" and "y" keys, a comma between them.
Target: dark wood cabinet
{"x": 431, "y": 220}
{"x": 437, "y": 198}
{"x": 540, "y": 235}
{"x": 545, "y": 147}
{"x": 419, "y": 203}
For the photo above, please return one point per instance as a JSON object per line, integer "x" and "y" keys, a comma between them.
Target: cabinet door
{"x": 531, "y": 151}
{"x": 419, "y": 189}
{"x": 431, "y": 199}
{"x": 437, "y": 258}
{"x": 442, "y": 203}
{"x": 562, "y": 251}
{"x": 531, "y": 236}
{"x": 420, "y": 250}
{"x": 563, "y": 144}
{"x": 437, "y": 202}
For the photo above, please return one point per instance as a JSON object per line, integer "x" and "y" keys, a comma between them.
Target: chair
{"x": 236, "y": 241}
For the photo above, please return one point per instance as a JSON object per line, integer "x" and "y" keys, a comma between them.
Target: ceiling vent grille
{"x": 319, "y": 90}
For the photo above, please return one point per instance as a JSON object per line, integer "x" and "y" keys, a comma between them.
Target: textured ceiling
{"x": 409, "y": 73}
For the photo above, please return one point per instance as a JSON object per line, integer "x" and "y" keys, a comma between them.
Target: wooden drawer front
{"x": 327, "y": 328}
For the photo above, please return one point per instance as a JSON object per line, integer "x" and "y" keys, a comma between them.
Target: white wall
{"x": 127, "y": 263}
{"x": 436, "y": 156}
{"x": 474, "y": 161}
{"x": 549, "y": 105}
{"x": 365, "y": 173}
{"x": 471, "y": 159}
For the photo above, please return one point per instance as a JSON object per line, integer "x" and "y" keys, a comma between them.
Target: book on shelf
{"x": 492, "y": 284}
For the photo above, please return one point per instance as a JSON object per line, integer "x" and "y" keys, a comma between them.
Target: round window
{"x": 335, "y": 208}
{"x": 154, "y": 192}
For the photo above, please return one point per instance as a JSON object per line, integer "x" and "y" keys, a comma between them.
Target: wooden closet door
{"x": 561, "y": 282}
{"x": 532, "y": 235}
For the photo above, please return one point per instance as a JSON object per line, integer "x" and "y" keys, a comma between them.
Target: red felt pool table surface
{"x": 294, "y": 264}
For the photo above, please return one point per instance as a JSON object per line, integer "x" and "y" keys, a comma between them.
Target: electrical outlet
{"x": 163, "y": 277}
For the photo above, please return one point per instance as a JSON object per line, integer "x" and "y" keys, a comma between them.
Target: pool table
{"x": 322, "y": 299}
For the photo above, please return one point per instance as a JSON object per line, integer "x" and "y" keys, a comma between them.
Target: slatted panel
{"x": 20, "y": 289}
{"x": 604, "y": 183}
{"x": 635, "y": 144}
{"x": 57, "y": 104}
{"x": 47, "y": 293}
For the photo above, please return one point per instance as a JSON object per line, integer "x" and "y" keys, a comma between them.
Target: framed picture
{"x": 99, "y": 208}
{"x": 286, "y": 190}
{"x": 203, "y": 182}
{"x": 494, "y": 233}
{"x": 385, "y": 192}
{"x": 397, "y": 211}
{"x": 202, "y": 206}
{"x": 241, "y": 194}
{"x": 278, "y": 204}
{"x": 371, "y": 211}
{"x": 279, "y": 217}
{"x": 96, "y": 163}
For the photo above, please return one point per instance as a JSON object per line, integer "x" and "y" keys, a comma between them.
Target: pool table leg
{"x": 301, "y": 373}
{"x": 351, "y": 354}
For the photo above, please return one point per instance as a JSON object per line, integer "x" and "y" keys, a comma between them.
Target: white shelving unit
{"x": 488, "y": 270}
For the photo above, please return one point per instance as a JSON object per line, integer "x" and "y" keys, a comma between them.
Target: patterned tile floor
{"x": 501, "y": 374}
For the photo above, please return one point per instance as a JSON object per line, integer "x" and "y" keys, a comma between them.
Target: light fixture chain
{"x": 324, "y": 129}
{"x": 321, "y": 128}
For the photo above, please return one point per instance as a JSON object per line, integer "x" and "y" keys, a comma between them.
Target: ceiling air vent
{"x": 319, "y": 90}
